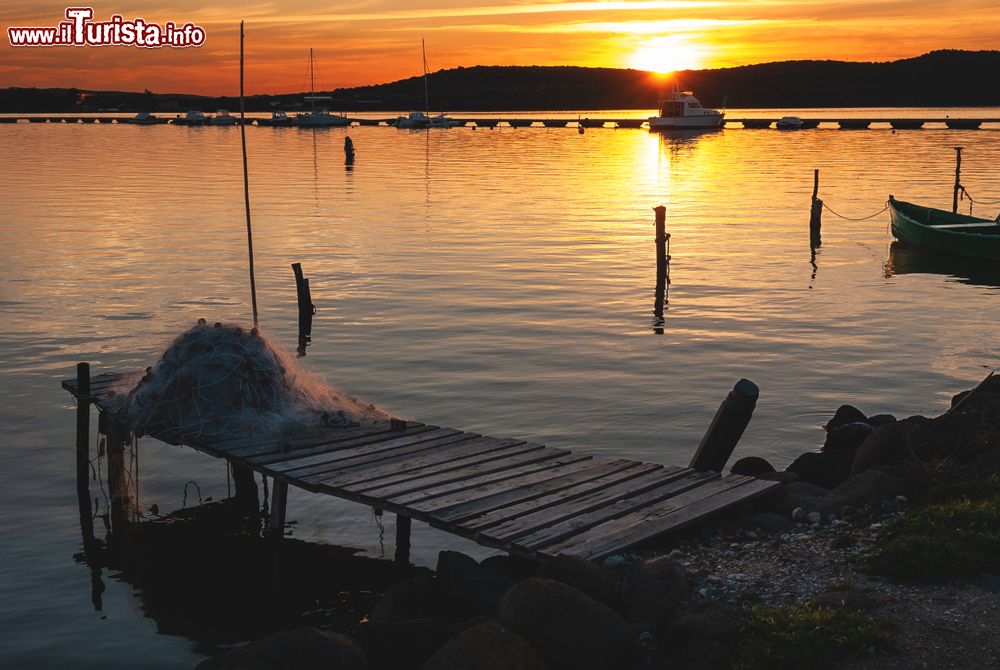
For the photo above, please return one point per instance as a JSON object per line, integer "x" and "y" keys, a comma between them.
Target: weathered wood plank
{"x": 428, "y": 486}
{"x": 519, "y": 455}
{"x": 437, "y": 460}
{"x": 584, "y": 481}
{"x": 607, "y": 539}
{"x": 245, "y": 447}
{"x": 468, "y": 494}
{"x": 590, "y": 510}
{"x": 339, "y": 446}
{"x": 558, "y": 533}
{"x": 370, "y": 449}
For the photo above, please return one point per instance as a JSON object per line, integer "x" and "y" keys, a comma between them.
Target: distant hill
{"x": 940, "y": 78}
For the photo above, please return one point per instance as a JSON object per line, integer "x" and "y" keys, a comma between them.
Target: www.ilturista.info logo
{"x": 80, "y": 30}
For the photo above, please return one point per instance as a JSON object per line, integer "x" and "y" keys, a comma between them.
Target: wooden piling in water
{"x": 958, "y": 180}
{"x": 726, "y": 428}
{"x": 403, "y": 525}
{"x": 662, "y": 267}
{"x": 116, "y": 437}
{"x": 349, "y": 150}
{"x": 306, "y": 308}
{"x": 815, "y": 214}
{"x": 83, "y": 454}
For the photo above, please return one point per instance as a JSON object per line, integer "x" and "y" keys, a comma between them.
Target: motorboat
{"x": 144, "y": 119}
{"x": 790, "y": 123}
{"x": 682, "y": 111}
{"x": 192, "y": 118}
{"x": 223, "y": 118}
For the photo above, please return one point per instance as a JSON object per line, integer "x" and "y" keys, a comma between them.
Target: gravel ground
{"x": 950, "y": 625}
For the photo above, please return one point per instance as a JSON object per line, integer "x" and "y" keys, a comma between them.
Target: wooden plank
{"x": 311, "y": 438}
{"x": 556, "y": 534}
{"x": 468, "y": 494}
{"x": 520, "y": 455}
{"x": 370, "y": 449}
{"x": 581, "y": 482}
{"x": 590, "y": 510}
{"x": 620, "y": 534}
{"x": 303, "y": 450}
{"x": 429, "y": 486}
{"x": 483, "y": 449}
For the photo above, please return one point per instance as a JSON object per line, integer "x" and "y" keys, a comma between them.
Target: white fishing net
{"x": 223, "y": 381}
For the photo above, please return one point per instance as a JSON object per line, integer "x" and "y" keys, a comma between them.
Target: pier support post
{"x": 83, "y": 454}
{"x": 958, "y": 180}
{"x": 306, "y": 308}
{"x": 815, "y": 214}
{"x": 726, "y": 428}
{"x": 403, "y": 524}
{"x": 279, "y": 501}
{"x": 245, "y": 486}
{"x": 116, "y": 437}
{"x": 662, "y": 268}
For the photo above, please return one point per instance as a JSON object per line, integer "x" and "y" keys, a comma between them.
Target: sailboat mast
{"x": 312, "y": 83}
{"x": 427, "y": 97}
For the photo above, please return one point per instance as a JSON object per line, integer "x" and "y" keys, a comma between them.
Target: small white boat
{"x": 192, "y": 118}
{"x": 279, "y": 118}
{"x": 144, "y": 119}
{"x": 223, "y": 118}
{"x": 682, "y": 111}
{"x": 318, "y": 118}
{"x": 789, "y": 123}
{"x": 424, "y": 119}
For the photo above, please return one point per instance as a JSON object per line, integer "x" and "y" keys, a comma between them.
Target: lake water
{"x": 497, "y": 281}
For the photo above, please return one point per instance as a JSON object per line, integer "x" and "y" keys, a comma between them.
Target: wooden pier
{"x": 505, "y": 493}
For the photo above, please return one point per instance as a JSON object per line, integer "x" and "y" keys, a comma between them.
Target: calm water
{"x": 497, "y": 281}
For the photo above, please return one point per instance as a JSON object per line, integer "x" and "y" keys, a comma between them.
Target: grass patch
{"x": 957, "y": 534}
{"x": 779, "y": 638}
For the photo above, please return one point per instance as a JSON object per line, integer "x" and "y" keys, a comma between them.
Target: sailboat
{"x": 318, "y": 118}
{"x": 424, "y": 119}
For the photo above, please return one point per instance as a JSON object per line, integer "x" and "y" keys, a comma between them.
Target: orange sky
{"x": 373, "y": 41}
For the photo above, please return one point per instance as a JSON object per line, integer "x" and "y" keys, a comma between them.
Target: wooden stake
{"x": 83, "y": 453}
{"x": 815, "y": 214}
{"x": 727, "y": 427}
{"x": 246, "y": 186}
{"x": 958, "y": 180}
{"x": 306, "y": 308}
{"x": 118, "y": 490}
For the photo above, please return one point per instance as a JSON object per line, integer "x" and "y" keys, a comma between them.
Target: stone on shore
{"x": 751, "y": 466}
{"x": 488, "y": 646}
{"x": 652, "y": 590}
{"x": 868, "y": 487}
{"x": 592, "y": 579}
{"x": 297, "y": 649}
{"x": 825, "y": 469}
{"x": 571, "y": 630}
{"x": 844, "y": 415}
{"x": 465, "y": 588}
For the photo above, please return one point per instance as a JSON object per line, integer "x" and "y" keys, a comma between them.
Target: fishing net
{"x": 223, "y": 381}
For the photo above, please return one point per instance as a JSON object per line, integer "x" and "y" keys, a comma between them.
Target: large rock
{"x": 844, "y": 415}
{"x": 571, "y": 630}
{"x": 298, "y": 649}
{"x": 825, "y": 469}
{"x": 847, "y": 437}
{"x": 412, "y": 598}
{"x": 515, "y": 567}
{"x": 751, "y": 466}
{"x": 467, "y": 589}
{"x": 594, "y": 580}
{"x": 488, "y": 646}
{"x": 864, "y": 488}
{"x": 398, "y": 645}
{"x": 651, "y": 591}
{"x": 884, "y": 446}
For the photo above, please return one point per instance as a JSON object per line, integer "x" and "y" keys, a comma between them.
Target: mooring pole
{"x": 815, "y": 214}
{"x": 118, "y": 491}
{"x": 402, "y": 539}
{"x": 83, "y": 453}
{"x": 726, "y": 428}
{"x": 348, "y": 150}
{"x": 246, "y": 186}
{"x": 306, "y": 308}
{"x": 661, "y": 241}
{"x": 958, "y": 179}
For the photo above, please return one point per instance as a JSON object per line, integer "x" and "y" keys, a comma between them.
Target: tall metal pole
{"x": 958, "y": 180}
{"x": 246, "y": 185}
{"x": 427, "y": 97}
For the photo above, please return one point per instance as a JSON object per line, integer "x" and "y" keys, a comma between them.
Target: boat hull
{"x": 943, "y": 231}
{"x": 686, "y": 122}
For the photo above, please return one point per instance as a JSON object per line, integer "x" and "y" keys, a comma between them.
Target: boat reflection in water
{"x": 905, "y": 259}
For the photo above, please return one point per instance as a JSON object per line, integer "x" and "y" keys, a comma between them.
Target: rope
{"x": 848, "y": 218}
{"x": 964, "y": 194}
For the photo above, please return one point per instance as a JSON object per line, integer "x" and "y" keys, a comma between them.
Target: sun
{"x": 666, "y": 54}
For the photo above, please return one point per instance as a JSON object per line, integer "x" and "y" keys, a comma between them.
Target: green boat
{"x": 943, "y": 231}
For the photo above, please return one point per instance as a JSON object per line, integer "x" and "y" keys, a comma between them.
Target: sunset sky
{"x": 374, "y": 41}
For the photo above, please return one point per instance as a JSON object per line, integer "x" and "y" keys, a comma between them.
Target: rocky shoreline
{"x": 806, "y": 576}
